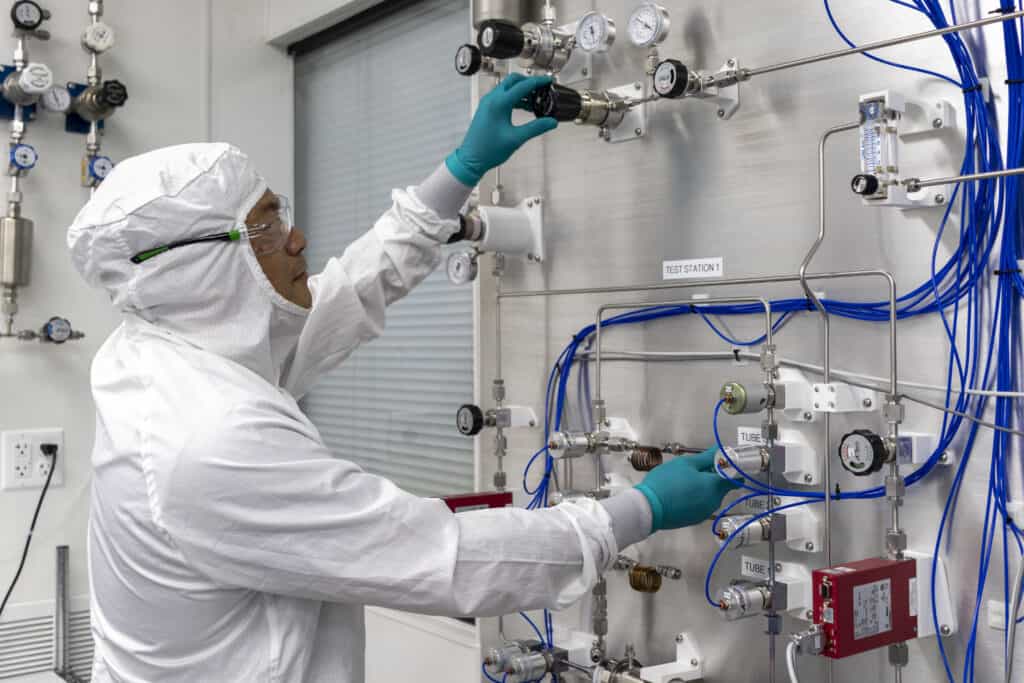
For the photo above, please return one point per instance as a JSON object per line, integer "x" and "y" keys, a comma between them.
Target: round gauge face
{"x": 98, "y": 37}
{"x": 36, "y": 78}
{"x": 856, "y": 453}
{"x": 101, "y": 167}
{"x": 665, "y": 78}
{"x": 462, "y": 268}
{"x": 28, "y": 14}
{"x": 595, "y": 32}
{"x": 25, "y": 156}
{"x": 58, "y": 330}
{"x": 648, "y": 25}
{"x": 57, "y": 99}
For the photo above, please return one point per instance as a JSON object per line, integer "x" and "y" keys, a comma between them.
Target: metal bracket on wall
{"x": 688, "y": 666}
{"x": 634, "y": 125}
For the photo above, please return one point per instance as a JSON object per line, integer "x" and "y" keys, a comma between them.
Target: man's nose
{"x": 296, "y": 243}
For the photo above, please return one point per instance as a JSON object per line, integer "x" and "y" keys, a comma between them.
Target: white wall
{"x": 46, "y": 386}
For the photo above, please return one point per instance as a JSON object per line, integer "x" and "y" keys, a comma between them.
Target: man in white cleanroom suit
{"x": 226, "y": 542}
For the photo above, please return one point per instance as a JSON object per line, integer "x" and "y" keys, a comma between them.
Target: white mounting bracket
{"x": 915, "y": 448}
{"x": 513, "y": 417}
{"x": 943, "y": 599}
{"x": 889, "y": 121}
{"x": 580, "y": 67}
{"x": 689, "y": 665}
{"x": 837, "y": 397}
{"x": 634, "y": 125}
{"x": 799, "y": 463}
{"x": 516, "y": 230}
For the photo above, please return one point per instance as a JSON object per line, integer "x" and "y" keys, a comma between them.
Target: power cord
{"x": 48, "y": 449}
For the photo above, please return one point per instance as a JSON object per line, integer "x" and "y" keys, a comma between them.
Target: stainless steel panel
{"x": 745, "y": 190}
{"x": 512, "y": 10}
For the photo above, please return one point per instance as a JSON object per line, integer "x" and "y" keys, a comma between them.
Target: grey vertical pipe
{"x": 60, "y": 615}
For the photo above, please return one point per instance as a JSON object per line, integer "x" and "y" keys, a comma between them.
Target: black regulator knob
{"x": 500, "y": 39}
{"x": 862, "y": 452}
{"x": 558, "y": 102}
{"x": 114, "y": 94}
{"x": 469, "y": 420}
{"x": 468, "y": 59}
{"x": 671, "y": 79}
{"x": 864, "y": 184}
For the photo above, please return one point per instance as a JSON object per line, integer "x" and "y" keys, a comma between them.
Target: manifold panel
{"x": 722, "y": 185}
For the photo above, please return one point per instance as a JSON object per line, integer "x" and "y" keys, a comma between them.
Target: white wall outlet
{"x": 24, "y": 465}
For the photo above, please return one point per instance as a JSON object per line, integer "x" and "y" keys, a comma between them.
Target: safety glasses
{"x": 265, "y": 238}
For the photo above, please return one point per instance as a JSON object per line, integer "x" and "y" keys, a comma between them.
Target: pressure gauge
{"x": 595, "y": 32}
{"x": 468, "y": 60}
{"x": 100, "y": 168}
{"x": 57, "y": 330}
{"x": 462, "y": 267}
{"x": 671, "y": 79}
{"x": 98, "y": 38}
{"x": 864, "y": 184}
{"x": 24, "y": 157}
{"x": 862, "y": 452}
{"x": 27, "y": 15}
{"x": 57, "y": 100}
{"x": 648, "y": 25}
{"x": 469, "y": 420}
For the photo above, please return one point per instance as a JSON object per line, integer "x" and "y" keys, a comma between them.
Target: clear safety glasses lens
{"x": 267, "y": 238}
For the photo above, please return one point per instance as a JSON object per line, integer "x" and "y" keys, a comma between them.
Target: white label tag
{"x": 754, "y": 568}
{"x": 913, "y": 597}
{"x": 872, "y": 609}
{"x": 693, "y": 268}
{"x": 749, "y": 436}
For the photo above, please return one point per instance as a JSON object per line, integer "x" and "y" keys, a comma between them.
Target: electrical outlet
{"x": 24, "y": 465}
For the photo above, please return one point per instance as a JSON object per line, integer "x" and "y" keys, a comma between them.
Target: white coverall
{"x": 226, "y": 542}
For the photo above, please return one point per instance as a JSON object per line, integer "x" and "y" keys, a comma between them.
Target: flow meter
{"x": 56, "y": 100}
{"x": 595, "y": 32}
{"x": 648, "y": 25}
{"x": 468, "y": 60}
{"x": 100, "y": 101}
{"x": 98, "y": 38}
{"x": 585, "y": 107}
{"x": 25, "y": 86}
{"x": 28, "y": 15}
{"x": 23, "y": 158}
{"x": 862, "y": 452}
{"x": 672, "y": 80}
{"x": 462, "y": 267}
{"x": 57, "y": 330}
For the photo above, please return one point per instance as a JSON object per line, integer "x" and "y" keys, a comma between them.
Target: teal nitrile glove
{"x": 684, "y": 491}
{"x": 492, "y": 139}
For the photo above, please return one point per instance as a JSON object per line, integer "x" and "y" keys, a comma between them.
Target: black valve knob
{"x": 28, "y": 15}
{"x": 500, "y": 39}
{"x": 862, "y": 452}
{"x": 469, "y": 420}
{"x": 557, "y": 102}
{"x": 468, "y": 59}
{"x": 114, "y": 94}
{"x": 671, "y": 79}
{"x": 864, "y": 184}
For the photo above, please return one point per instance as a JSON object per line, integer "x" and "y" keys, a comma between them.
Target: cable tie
{"x": 1002, "y": 10}
{"x": 1014, "y": 81}
{"x": 1006, "y": 272}
{"x": 736, "y": 354}
{"x": 839, "y": 493}
{"x": 972, "y": 89}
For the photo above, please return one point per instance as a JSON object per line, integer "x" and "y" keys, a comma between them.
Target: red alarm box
{"x": 484, "y": 500}
{"x": 865, "y": 605}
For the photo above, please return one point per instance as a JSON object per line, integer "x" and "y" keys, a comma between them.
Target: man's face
{"x": 286, "y": 267}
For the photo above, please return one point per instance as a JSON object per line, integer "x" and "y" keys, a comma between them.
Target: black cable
{"x": 35, "y": 517}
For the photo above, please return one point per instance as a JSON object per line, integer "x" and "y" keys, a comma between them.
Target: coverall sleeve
{"x": 260, "y": 503}
{"x": 379, "y": 268}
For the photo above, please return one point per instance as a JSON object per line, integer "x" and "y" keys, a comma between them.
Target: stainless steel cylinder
{"x": 740, "y": 399}
{"x": 545, "y": 48}
{"x": 15, "y": 251}
{"x": 528, "y": 667}
{"x": 600, "y": 108}
{"x": 25, "y": 86}
{"x": 755, "y": 532}
{"x": 510, "y": 10}
{"x": 743, "y": 600}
